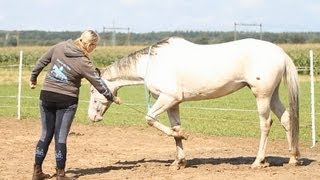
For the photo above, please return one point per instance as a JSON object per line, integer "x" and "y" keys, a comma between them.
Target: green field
{"x": 233, "y": 115}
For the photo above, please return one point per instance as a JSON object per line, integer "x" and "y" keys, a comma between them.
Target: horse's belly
{"x": 211, "y": 92}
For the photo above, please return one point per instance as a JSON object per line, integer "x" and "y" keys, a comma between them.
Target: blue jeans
{"x": 56, "y": 119}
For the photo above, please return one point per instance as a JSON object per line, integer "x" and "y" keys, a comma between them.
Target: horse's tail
{"x": 291, "y": 80}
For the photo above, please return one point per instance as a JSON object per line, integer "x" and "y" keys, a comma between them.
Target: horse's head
{"x": 98, "y": 104}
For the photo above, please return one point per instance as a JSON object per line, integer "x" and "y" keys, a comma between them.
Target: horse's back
{"x": 237, "y": 57}
{"x": 179, "y": 49}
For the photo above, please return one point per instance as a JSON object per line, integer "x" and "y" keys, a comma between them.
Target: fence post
{"x": 19, "y": 85}
{"x": 312, "y": 100}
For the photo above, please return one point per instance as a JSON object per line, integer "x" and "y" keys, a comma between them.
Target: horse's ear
{"x": 98, "y": 71}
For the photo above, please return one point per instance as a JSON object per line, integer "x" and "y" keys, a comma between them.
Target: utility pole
{"x": 8, "y": 36}
{"x": 6, "y": 39}
{"x": 246, "y": 24}
{"x": 113, "y": 37}
{"x": 17, "y": 38}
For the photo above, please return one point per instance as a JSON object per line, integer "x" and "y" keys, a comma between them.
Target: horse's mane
{"x": 145, "y": 50}
{"x": 123, "y": 65}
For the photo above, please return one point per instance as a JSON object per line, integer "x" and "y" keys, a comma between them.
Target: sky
{"x": 160, "y": 15}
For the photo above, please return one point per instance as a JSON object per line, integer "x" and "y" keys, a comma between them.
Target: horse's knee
{"x": 150, "y": 120}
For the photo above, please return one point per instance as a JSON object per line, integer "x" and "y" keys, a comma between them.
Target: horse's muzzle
{"x": 95, "y": 118}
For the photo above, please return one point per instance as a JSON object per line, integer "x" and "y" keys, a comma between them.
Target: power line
{"x": 246, "y": 24}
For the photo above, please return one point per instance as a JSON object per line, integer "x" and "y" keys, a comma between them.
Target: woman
{"x": 69, "y": 63}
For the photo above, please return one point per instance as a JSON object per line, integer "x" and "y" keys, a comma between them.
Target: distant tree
{"x": 47, "y": 38}
{"x": 12, "y": 41}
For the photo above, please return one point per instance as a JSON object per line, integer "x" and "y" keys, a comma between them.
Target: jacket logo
{"x": 57, "y": 73}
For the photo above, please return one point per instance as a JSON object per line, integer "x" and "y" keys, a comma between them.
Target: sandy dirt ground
{"x": 103, "y": 152}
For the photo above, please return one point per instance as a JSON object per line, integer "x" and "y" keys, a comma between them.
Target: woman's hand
{"x": 117, "y": 100}
{"x": 33, "y": 84}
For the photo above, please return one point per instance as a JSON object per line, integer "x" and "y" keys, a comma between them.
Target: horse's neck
{"x": 131, "y": 74}
{"x": 121, "y": 83}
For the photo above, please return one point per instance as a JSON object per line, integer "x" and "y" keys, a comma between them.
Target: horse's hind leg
{"x": 279, "y": 110}
{"x": 265, "y": 124}
{"x": 174, "y": 117}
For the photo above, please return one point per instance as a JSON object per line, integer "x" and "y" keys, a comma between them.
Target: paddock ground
{"x": 104, "y": 152}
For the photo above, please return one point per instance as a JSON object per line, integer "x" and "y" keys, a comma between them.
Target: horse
{"x": 175, "y": 70}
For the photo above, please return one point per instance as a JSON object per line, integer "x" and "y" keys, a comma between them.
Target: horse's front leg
{"x": 180, "y": 160}
{"x": 174, "y": 117}
{"x": 169, "y": 104}
{"x": 163, "y": 103}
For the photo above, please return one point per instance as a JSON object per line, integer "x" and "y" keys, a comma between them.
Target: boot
{"x": 38, "y": 174}
{"x": 61, "y": 175}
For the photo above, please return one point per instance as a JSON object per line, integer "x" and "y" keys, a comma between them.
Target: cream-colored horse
{"x": 175, "y": 70}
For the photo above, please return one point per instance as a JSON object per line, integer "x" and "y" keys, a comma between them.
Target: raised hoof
{"x": 179, "y": 133}
{"x": 179, "y": 164}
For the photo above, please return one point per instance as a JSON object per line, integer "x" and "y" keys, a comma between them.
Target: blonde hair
{"x": 87, "y": 37}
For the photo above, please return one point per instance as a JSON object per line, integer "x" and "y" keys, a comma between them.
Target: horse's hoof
{"x": 260, "y": 165}
{"x": 183, "y": 136}
{"x": 174, "y": 167}
{"x": 179, "y": 133}
{"x": 295, "y": 162}
{"x": 178, "y": 164}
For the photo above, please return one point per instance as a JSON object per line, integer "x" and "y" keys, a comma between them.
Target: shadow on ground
{"x": 192, "y": 163}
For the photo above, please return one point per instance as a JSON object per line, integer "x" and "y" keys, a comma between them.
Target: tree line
{"x": 48, "y": 38}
